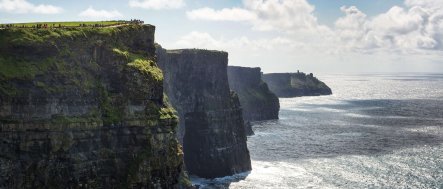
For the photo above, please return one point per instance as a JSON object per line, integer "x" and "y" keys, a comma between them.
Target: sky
{"x": 319, "y": 36}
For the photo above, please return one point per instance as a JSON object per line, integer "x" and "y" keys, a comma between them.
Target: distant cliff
{"x": 84, "y": 108}
{"x": 295, "y": 85}
{"x": 211, "y": 123}
{"x": 257, "y": 101}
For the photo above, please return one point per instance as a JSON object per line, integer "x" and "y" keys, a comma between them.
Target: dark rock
{"x": 288, "y": 85}
{"x": 211, "y": 123}
{"x": 248, "y": 128}
{"x": 85, "y": 109}
{"x": 257, "y": 101}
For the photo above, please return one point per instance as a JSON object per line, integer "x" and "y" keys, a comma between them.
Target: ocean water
{"x": 375, "y": 131}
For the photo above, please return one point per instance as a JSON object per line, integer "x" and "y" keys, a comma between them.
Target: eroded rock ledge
{"x": 257, "y": 101}
{"x": 288, "y": 85}
{"x": 84, "y": 108}
{"x": 211, "y": 123}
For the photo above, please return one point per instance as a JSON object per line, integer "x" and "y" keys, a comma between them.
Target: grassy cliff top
{"x": 32, "y": 53}
{"x": 241, "y": 68}
{"x": 28, "y": 35}
{"x": 179, "y": 51}
{"x": 70, "y": 24}
{"x": 97, "y": 70}
{"x": 67, "y": 24}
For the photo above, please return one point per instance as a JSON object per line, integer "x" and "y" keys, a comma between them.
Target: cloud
{"x": 157, "y": 4}
{"x": 398, "y": 21}
{"x": 412, "y": 30}
{"x": 207, "y": 41}
{"x": 418, "y": 26}
{"x": 425, "y": 3}
{"x": 92, "y": 13}
{"x": 283, "y": 15}
{"x": 23, "y": 6}
{"x": 266, "y": 15}
{"x": 200, "y": 40}
{"x": 266, "y": 53}
{"x": 238, "y": 47}
{"x": 232, "y": 14}
{"x": 354, "y": 19}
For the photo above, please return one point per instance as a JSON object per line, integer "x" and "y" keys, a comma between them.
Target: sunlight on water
{"x": 401, "y": 169}
{"x": 376, "y": 131}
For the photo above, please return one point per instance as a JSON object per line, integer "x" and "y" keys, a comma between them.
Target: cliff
{"x": 295, "y": 85}
{"x": 84, "y": 108}
{"x": 211, "y": 123}
{"x": 257, "y": 101}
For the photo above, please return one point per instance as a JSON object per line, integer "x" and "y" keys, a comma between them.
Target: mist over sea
{"x": 375, "y": 131}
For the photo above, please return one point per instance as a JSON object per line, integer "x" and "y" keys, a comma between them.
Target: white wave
{"x": 407, "y": 168}
{"x": 357, "y": 115}
{"x": 279, "y": 175}
{"x": 426, "y": 129}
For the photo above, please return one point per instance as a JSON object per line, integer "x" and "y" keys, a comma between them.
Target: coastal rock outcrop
{"x": 298, "y": 84}
{"x": 257, "y": 101}
{"x": 84, "y": 108}
{"x": 211, "y": 123}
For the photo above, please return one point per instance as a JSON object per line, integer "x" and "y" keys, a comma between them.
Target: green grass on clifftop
{"x": 141, "y": 63}
{"x": 27, "y": 37}
{"x": 67, "y": 24}
{"x": 52, "y": 43}
{"x": 99, "y": 63}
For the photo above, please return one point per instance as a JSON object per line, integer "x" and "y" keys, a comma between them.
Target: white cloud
{"x": 408, "y": 33}
{"x": 410, "y": 30}
{"x": 207, "y": 41}
{"x": 271, "y": 49}
{"x": 23, "y": 6}
{"x": 200, "y": 40}
{"x": 352, "y": 28}
{"x": 283, "y": 15}
{"x": 232, "y": 14}
{"x": 425, "y": 3}
{"x": 417, "y": 27}
{"x": 92, "y": 13}
{"x": 157, "y": 4}
{"x": 399, "y": 21}
{"x": 354, "y": 19}
{"x": 266, "y": 15}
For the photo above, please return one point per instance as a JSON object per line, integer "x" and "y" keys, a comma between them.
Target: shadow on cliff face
{"x": 359, "y": 127}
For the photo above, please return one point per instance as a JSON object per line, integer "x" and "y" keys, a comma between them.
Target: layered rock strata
{"x": 257, "y": 101}
{"x": 211, "y": 122}
{"x": 84, "y": 108}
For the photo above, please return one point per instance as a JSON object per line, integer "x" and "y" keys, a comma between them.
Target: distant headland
{"x": 286, "y": 85}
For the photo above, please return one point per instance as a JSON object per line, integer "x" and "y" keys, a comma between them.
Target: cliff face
{"x": 84, "y": 108}
{"x": 211, "y": 123}
{"x": 295, "y": 84}
{"x": 257, "y": 101}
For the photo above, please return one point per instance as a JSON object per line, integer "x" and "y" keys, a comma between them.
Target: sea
{"x": 377, "y": 130}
